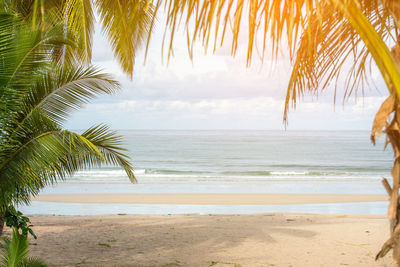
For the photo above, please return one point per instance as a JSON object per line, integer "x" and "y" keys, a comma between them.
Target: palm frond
{"x": 55, "y": 154}
{"x": 383, "y": 58}
{"x": 35, "y": 262}
{"x": 127, "y": 24}
{"x": 321, "y": 36}
{"x": 277, "y": 19}
{"x": 335, "y": 45}
{"x": 80, "y": 21}
{"x": 37, "y": 94}
{"x": 15, "y": 251}
{"x": 63, "y": 89}
{"x": 110, "y": 145}
{"x": 25, "y": 51}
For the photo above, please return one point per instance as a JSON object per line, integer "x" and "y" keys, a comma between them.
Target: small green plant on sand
{"x": 14, "y": 252}
{"x": 172, "y": 264}
{"x": 104, "y": 245}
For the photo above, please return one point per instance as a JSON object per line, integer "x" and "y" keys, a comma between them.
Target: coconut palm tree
{"x": 328, "y": 41}
{"x": 36, "y": 97}
{"x": 126, "y": 23}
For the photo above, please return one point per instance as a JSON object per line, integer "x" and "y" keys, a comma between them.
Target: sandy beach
{"x": 210, "y": 240}
{"x": 207, "y": 199}
{"x": 273, "y": 239}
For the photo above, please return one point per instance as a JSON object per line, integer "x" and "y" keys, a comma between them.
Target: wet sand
{"x": 209, "y": 199}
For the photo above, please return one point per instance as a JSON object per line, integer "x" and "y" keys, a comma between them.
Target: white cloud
{"x": 228, "y": 113}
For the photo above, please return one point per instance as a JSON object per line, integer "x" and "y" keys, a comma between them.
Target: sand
{"x": 204, "y": 199}
{"x": 210, "y": 240}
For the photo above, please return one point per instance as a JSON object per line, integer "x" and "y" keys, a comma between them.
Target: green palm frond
{"x": 25, "y": 51}
{"x": 80, "y": 21}
{"x": 53, "y": 155}
{"x": 126, "y": 23}
{"x": 34, "y": 262}
{"x": 15, "y": 251}
{"x": 37, "y": 95}
{"x": 110, "y": 146}
{"x": 64, "y": 89}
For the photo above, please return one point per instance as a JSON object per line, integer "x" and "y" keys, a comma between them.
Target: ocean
{"x": 230, "y": 161}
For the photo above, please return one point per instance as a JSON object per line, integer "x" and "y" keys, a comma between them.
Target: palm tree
{"x": 126, "y": 23}
{"x": 321, "y": 36}
{"x": 37, "y": 96}
{"x": 14, "y": 252}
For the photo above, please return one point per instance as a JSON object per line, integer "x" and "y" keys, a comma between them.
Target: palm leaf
{"x": 25, "y": 51}
{"x": 37, "y": 95}
{"x": 127, "y": 24}
{"x": 15, "y": 251}
{"x": 321, "y": 36}
{"x": 378, "y": 49}
{"x": 54, "y": 155}
{"x": 335, "y": 43}
{"x": 64, "y": 89}
{"x": 110, "y": 145}
{"x": 80, "y": 21}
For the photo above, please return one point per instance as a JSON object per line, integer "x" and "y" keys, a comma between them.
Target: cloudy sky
{"x": 216, "y": 91}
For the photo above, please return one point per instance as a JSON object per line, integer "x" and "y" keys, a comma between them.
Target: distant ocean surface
{"x": 242, "y": 162}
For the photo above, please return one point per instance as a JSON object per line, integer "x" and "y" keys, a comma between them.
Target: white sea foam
{"x": 237, "y": 157}
{"x": 154, "y": 176}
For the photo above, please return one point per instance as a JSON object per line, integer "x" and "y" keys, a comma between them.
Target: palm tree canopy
{"x": 126, "y": 23}
{"x": 321, "y": 36}
{"x": 37, "y": 96}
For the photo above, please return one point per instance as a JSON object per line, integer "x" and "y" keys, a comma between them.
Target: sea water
{"x": 227, "y": 161}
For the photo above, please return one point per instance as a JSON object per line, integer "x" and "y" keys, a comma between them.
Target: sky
{"x": 215, "y": 91}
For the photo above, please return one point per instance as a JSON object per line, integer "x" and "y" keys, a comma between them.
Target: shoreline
{"x": 210, "y": 199}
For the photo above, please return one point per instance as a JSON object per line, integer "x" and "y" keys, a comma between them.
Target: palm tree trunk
{"x": 392, "y": 105}
{"x": 393, "y": 134}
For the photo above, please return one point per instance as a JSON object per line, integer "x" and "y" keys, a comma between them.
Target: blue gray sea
{"x": 230, "y": 161}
